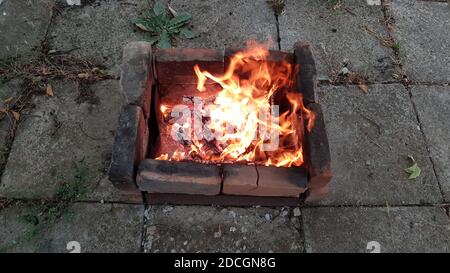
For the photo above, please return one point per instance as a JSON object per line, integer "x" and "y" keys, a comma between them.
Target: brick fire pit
{"x": 148, "y": 79}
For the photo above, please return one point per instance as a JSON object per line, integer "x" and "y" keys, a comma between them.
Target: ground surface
{"x": 58, "y": 149}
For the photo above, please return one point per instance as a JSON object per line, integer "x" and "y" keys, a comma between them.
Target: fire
{"x": 243, "y": 116}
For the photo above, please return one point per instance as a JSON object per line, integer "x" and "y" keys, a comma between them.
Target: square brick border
{"x": 140, "y": 71}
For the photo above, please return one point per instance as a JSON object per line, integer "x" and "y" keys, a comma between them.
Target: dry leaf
{"x": 172, "y": 11}
{"x": 363, "y": 87}
{"x": 8, "y": 100}
{"x": 49, "y": 90}
{"x": 16, "y": 115}
{"x": 83, "y": 75}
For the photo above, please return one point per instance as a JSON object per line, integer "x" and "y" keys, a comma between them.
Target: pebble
{"x": 284, "y": 213}
{"x": 217, "y": 234}
{"x": 267, "y": 216}
{"x": 232, "y": 229}
{"x": 297, "y": 212}
{"x": 151, "y": 230}
{"x": 232, "y": 214}
{"x": 167, "y": 209}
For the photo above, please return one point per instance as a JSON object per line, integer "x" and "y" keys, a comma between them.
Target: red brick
{"x": 176, "y": 65}
{"x": 307, "y": 76}
{"x": 263, "y": 181}
{"x": 136, "y": 80}
{"x": 159, "y": 176}
{"x": 130, "y": 147}
{"x": 318, "y": 154}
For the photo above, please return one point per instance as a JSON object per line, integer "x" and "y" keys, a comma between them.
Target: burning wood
{"x": 236, "y": 119}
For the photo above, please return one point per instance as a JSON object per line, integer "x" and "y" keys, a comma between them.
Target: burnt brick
{"x": 176, "y": 65}
{"x": 137, "y": 79}
{"x": 160, "y": 176}
{"x": 307, "y": 75}
{"x": 264, "y": 181}
{"x": 130, "y": 147}
{"x": 274, "y": 56}
{"x": 318, "y": 156}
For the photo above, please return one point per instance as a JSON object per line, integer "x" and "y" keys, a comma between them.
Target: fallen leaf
{"x": 172, "y": 11}
{"x": 414, "y": 171}
{"x": 16, "y": 115}
{"x": 363, "y": 87}
{"x": 8, "y": 100}
{"x": 83, "y": 75}
{"x": 49, "y": 90}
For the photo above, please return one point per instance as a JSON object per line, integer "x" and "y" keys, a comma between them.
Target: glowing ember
{"x": 242, "y": 123}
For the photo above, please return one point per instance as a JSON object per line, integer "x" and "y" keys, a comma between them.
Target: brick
{"x": 263, "y": 180}
{"x": 176, "y": 65}
{"x": 318, "y": 155}
{"x": 130, "y": 147}
{"x": 274, "y": 56}
{"x": 137, "y": 79}
{"x": 159, "y": 176}
{"x": 307, "y": 76}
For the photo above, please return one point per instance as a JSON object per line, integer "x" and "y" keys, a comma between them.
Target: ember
{"x": 241, "y": 123}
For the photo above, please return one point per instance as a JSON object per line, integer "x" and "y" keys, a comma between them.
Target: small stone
{"x": 243, "y": 230}
{"x": 151, "y": 230}
{"x": 297, "y": 212}
{"x": 232, "y": 214}
{"x": 267, "y": 216}
{"x": 344, "y": 71}
{"x": 232, "y": 229}
{"x": 185, "y": 242}
{"x": 284, "y": 213}
{"x": 173, "y": 251}
{"x": 217, "y": 234}
{"x": 147, "y": 214}
{"x": 167, "y": 209}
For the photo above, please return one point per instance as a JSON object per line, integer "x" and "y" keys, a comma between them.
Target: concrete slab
{"x": 400, "y": 229}
{"x": 433, "y": 105}
{"x": 336, "y": 36}
{"x": 23, "y": 25}
{"x": 371, "y": 136}
{"x": 97, "y": 31}
{"x": 96, "y": 227}
{"x": 228, "y": 23}
{"x": 422, "y": 32}
{"x": 66, "y": 138}
{"x": 215, "y": 229}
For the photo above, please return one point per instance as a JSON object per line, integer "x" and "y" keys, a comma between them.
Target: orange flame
{"x": 249, "y": 86}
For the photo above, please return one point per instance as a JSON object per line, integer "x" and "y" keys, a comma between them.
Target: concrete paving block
{"x": 433, "y": 105}
{"x": 64, "y": 138}
{"x": 422, "y": 31}
{"x": 23, "y": 25}
{"x": 215, "y": 229}
{"x": 337, "y": 37}
{"x": 363, "y": 229}
{"x": 96, "y": 227}
{"x": 370, "y": 137}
